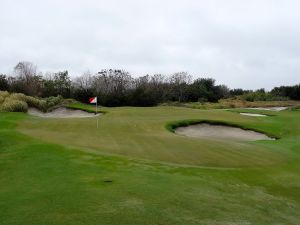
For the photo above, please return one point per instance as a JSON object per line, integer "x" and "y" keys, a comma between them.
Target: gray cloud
{"x": 249, "y": 44}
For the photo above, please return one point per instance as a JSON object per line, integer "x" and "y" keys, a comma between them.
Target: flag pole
{"x": 97, "y": 112}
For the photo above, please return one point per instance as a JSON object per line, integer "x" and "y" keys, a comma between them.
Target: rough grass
{"x": 18, "y": 102}
{"x": 86, "y": 108}
{"x": 47, "y": 183}
{"x": 234, "y": 103}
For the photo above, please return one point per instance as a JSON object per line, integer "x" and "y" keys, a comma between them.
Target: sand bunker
{"x": 205, "y": 130}
{"x": 253, "y": 114}
{"x": 61, "y": 113}
{"x": 271, "y": 108}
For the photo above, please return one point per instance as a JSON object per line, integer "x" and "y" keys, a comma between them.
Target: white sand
{"x": 271, "y": 108}
{"x": 220, "y": 132}
{"x": 253, "y": 114}
{"x": 61, "y": 113}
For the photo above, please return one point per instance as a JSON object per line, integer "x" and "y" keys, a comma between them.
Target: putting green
{"x": 141, "y": 133}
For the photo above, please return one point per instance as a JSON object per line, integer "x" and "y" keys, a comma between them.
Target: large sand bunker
{"x": 205, "y": 130}
{"x": 61, "y": 113}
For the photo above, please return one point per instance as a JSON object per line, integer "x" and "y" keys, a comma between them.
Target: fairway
{"x": 133, "y": 170}
{"x": 141, "y": 133}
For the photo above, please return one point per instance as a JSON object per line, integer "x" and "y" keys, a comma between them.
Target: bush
{"x": 1, "y": 99}
{"x": 18, "y": 96}
{"x": 53, "y": 101}
{"x": 4, "y": 94}
{"x": 11, "y": 105}
{"x": 36, "y": 103}
{"x": 18, "y": 102}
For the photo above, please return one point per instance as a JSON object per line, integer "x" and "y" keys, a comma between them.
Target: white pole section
{"x": 96, "y": 105}
{"x": 97, "y": 112}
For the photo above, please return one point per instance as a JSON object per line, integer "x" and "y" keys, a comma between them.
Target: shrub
{"x": 11, "y": 105}
{"x": 18, "y": 96}
{"x": 18, "y": 102}
{"x": 36, "y": 103}
{"x": 1, "y": 99}
{"x": 4, "y": 94}
{"x": 53, "y": 101}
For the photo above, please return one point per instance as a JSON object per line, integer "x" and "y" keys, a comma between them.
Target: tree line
{"x": 118, "y": 87}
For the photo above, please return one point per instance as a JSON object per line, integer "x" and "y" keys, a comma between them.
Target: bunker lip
{"x": 62, "y": 112}
{"x": 221, "y": 132}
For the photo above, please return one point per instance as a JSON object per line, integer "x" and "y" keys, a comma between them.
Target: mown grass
{"x": 56, "y": 171}
{"x": 141, "y": 133}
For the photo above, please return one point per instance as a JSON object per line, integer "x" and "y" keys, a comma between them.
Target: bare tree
{"x": 30, "y": 82}
{"x": 25, "y": 70}
{"x": 84, "y": 82}
{"x": 113, "y": 81}
{"x": 179, "y": 80}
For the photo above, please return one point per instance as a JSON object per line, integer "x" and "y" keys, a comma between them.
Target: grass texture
{"x": 132, "y": 170}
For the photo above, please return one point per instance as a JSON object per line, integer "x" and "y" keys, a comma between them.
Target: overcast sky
{"x": 240, "y": 43}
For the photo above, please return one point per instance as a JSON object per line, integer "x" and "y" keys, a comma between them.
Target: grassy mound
{"x": 17, "y": 102}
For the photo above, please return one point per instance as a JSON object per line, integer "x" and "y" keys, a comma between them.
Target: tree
{"x": 62, "y": 84}
{"x": 112, "y": 86}
{"x": 28, "y": 80}
{"x": 203, "y": 89}
{"x": 83, "y": 86}
{"x": 3, "y": 83}
{"x": 178, "y": 82}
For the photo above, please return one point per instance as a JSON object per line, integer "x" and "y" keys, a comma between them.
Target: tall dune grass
{"x": 18, "y": 102}
{"x": 10, "y": 105}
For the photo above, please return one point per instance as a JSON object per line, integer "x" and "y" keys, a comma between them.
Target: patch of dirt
{"x": 209, "y": 131}
{"x": 61, "y": 113}
{"x": 253, "y": 114}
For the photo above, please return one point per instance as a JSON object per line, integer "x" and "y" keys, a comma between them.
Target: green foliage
{"x": 261, "y": 95}
{"x": 3, "y": 82}
{"x": 292, "y": 92}
{"x": 13, "y": 105}
{"x": 53, "y": 101}
{"x": 12, "y": 102}
{"x": 4, "y": 94}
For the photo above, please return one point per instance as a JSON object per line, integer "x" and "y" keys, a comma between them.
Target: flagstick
{"x": 96, "y": 113}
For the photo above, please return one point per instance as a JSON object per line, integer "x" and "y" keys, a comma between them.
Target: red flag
{"x": 93, "y": 100}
